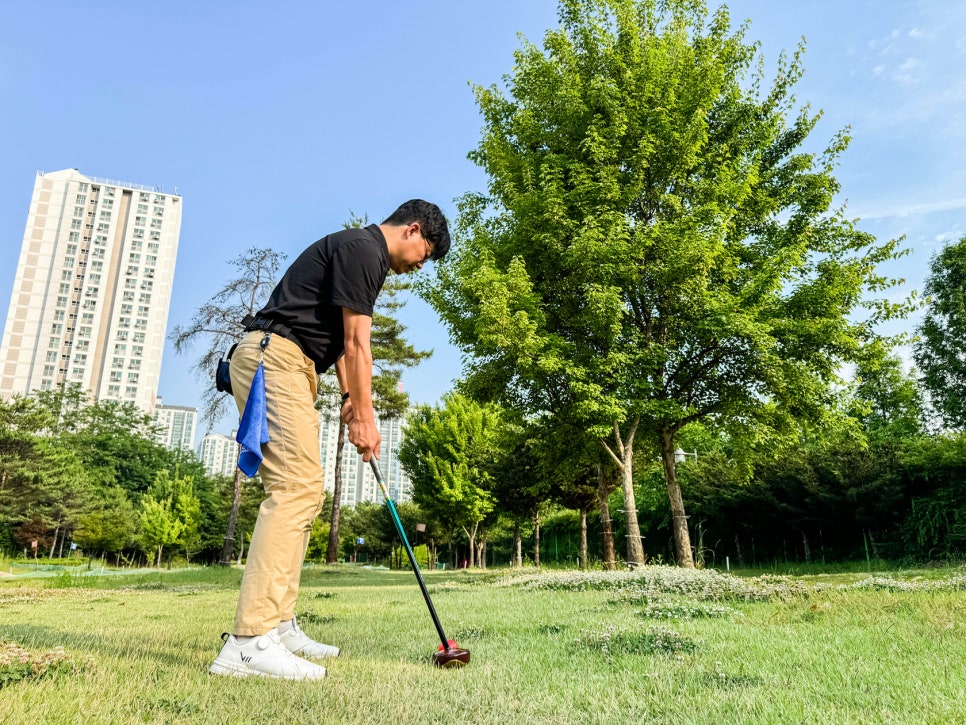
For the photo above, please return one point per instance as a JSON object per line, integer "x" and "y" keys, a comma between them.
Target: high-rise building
{"x": 175, "y": 425}
{"x": 219, "y": 454}
{"x": 90, "y": 299}
{"x": 358, "y": 482}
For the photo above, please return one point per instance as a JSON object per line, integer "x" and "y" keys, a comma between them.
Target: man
{"x": 319, "y": 315}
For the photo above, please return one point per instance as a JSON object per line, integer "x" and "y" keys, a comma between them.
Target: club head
{"x": 451, "y": 658}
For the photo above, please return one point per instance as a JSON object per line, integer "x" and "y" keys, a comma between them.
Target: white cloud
{"x": 909, "y": 72}
{"x": 899, "y": 210}
{"x": 916, "y": 33}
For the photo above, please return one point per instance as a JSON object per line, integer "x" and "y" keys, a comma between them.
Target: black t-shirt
{"x": 345, "y": 269}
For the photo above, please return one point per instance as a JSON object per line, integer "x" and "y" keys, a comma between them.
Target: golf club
{"x": 449, "y": 654}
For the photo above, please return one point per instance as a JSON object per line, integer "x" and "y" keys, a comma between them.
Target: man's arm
{"x": 356, "y": 375}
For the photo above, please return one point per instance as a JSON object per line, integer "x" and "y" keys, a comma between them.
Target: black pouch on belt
{"x": 222, "y": 376}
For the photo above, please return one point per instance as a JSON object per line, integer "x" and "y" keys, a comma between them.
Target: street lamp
{"x": 680, "y": 455}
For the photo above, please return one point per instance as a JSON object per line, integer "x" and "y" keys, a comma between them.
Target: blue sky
{"x": 276, "y": 120}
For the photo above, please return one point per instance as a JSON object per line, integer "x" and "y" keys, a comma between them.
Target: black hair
{"x": 432, "y": 224}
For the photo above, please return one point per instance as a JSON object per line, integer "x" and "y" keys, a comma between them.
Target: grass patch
{"x": 654, "y": 645}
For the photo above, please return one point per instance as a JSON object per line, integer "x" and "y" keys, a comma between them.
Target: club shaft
{"x": 409, "y": 553}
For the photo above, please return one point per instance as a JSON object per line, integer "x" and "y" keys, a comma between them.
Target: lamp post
{"x": 681, "y": 455}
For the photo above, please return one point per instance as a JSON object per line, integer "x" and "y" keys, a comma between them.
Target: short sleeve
{"x": 357, "y": 277}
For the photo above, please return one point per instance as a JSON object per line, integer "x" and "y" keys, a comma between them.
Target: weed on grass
{"x": 18, "y": 663}
{"x": 653, "y": 640}
{"x": 306, "y": 617}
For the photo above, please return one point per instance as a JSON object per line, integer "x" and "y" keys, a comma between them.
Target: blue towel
{"x": 253, "y": 428}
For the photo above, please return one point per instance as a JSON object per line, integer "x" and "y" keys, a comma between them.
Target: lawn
{"x": 658, "y": 645}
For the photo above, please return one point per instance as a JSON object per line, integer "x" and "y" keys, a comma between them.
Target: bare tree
{"x": 217, "y": 325}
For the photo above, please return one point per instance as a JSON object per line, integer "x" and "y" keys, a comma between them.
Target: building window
{"x": 139, "y": 221}
{"x": 74, "y": 236}
{"x": 106, "y": 215}
{"x": 142, "y": 208}
{"x": 116, "y": 376}
{"x": 76, "y": 223}
{"x": 62, "y": 302}
{"x": 78, "y": 212}
{"x": 81, "y": 199}
{"x": 155, "y": 223}
{"x": 82, "y": 186}
{"x": 114, "y": 391}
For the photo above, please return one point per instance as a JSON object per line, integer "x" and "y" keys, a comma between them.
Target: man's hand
{"x": 364, "y": 435}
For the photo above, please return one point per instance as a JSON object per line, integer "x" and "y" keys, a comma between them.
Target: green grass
{"x": 547, "y": 647}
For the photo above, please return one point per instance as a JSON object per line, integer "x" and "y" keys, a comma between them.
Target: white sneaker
{"x": 263, "y": 656}
{"x": 299, "y": 643}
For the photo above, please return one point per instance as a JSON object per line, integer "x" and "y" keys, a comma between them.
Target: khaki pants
{"x": 292, "y": 476}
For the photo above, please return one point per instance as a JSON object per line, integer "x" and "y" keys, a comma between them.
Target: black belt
{"x": 265, "y": 324}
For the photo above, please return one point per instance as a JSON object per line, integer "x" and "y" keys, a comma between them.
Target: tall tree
{"x": 217, "y": 326}
{"x": 449, "y": 453}
{"x": 940, "y": 350}
{"x": 656, "y": 247}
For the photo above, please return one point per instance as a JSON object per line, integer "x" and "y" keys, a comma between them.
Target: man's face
{"x": 414, "y": 252}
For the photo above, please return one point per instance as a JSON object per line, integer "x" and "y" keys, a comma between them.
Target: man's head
{"x": 421, "y": 234}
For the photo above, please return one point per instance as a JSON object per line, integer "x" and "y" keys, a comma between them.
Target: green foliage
{"x": 657, "y": 244}
{"x": 170, "y": 514}
{"x": 941, "y": 347}
{"x": 449, "y": 453}
{"x": 109, "y": 527}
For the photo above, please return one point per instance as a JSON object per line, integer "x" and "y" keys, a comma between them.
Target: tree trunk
{"x": 157, "y": 564}
{"x": 679, "y": 521}
{"x": 517, "y": 545}
{"x": 603, "y": 497}
{"x": 625, "y": 463}
{"x": 481, "y": 553}
{"x": 808, "y": 549}
{"x": 332, "y": 551}
{"x": 241, "y": 548}
{"x": 741, "y": 559}
{"x": 228, "y": 549}
{"x": 583, "y": 538}
{"x": 471, "y": 535}
{"x": 50, "y": 554}
{"x": 536, "y": 539}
